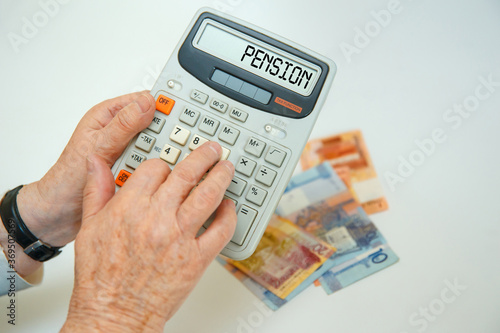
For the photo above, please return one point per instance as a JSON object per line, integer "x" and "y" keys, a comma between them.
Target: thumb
{"x": 100, "y": 186}
{"x": 129, "y": 121}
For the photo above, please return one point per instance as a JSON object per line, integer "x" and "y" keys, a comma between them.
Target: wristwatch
{"x": 17, "y": 229}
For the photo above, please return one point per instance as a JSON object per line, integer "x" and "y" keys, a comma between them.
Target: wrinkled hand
{"x": 137, "y": 255}
{"x": 52, "y": 207}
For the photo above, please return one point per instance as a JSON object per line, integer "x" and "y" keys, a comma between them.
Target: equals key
{"x": 246, "y": 217}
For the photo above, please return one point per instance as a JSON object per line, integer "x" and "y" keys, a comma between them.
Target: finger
{"x": 113, "y": 106}
{"x": 220, "y": 232}
{"x": 205, "y": 198}
{"x": 189, "y": 172}
{"x": 129, "y": 121}
{"x": 100, "y": 186}
{"x": 148, "y": 177}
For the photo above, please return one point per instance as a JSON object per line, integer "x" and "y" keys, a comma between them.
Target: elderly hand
{"x": 106, "y": 130}
{"x": 137, "y": 254}
{"x": 52, "y": 207}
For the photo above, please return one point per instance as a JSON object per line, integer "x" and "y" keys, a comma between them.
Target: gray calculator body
{"x": 255, "y": 93}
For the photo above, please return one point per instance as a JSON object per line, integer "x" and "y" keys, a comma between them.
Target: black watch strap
{"x": 18, "y": 230}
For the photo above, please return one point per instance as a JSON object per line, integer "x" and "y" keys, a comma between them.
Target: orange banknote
{"x": 285, "y": 257}
{"x": 348, "y": 155}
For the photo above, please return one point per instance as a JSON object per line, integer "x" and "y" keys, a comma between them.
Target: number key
{"x": 180, "y": 135}
{"x": 170, "y": 154}
{"x": 197, "y": 141}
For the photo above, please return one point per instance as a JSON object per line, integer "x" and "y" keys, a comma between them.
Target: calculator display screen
{"x": 257, "y": 57}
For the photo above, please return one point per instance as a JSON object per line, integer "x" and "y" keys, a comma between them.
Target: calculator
{"x": 255, "y": 93}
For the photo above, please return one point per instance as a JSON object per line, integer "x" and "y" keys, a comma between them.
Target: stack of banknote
{"x": 320, "y": 234}
{"x": 348, "y": 155}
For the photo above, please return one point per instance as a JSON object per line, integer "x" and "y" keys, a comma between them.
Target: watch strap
{"x": 17, "y": 229}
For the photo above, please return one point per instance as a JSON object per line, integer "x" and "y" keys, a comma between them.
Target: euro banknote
{"x": 348, "y": 154}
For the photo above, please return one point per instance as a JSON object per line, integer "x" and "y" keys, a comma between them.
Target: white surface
{"x": 443, "y": 220}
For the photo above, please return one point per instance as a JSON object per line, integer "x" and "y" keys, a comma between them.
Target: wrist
{"x": 109, "y": 314}
{"x": 44, "y": 217}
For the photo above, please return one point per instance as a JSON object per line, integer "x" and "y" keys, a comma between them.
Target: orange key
{"x": 122, "y": 177}
{"x": 164, "y": 104}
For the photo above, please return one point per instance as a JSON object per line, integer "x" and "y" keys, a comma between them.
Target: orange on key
{"x": 164, "y": 104}
{"x": 122, "y": 177}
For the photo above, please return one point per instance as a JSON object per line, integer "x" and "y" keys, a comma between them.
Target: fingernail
{"x": 218, "y": 152}
{"x": 90, "y": 164}
{"x": 228, "y": 165}
{"x": 144, "y": 103}
{"x": 231, "y": 203}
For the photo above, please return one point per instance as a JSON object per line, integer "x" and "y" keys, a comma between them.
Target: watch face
{"x": 41, "y": 251}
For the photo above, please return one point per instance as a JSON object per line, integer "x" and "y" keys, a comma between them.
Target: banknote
{"x": 319, "y": 202}
{"x": 271, "y": 300}
{"x": 348, "y": 154}
{"x": 358, "y": 256}
{"x": 347, "y": 273}
{"x": 267, "y": 297}
{"x": 285, "y": 257}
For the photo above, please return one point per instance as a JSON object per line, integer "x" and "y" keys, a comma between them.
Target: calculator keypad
{"x": 257, "y": 163}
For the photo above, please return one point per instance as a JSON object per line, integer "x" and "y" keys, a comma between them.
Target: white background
{"x": 443, "y": 219}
